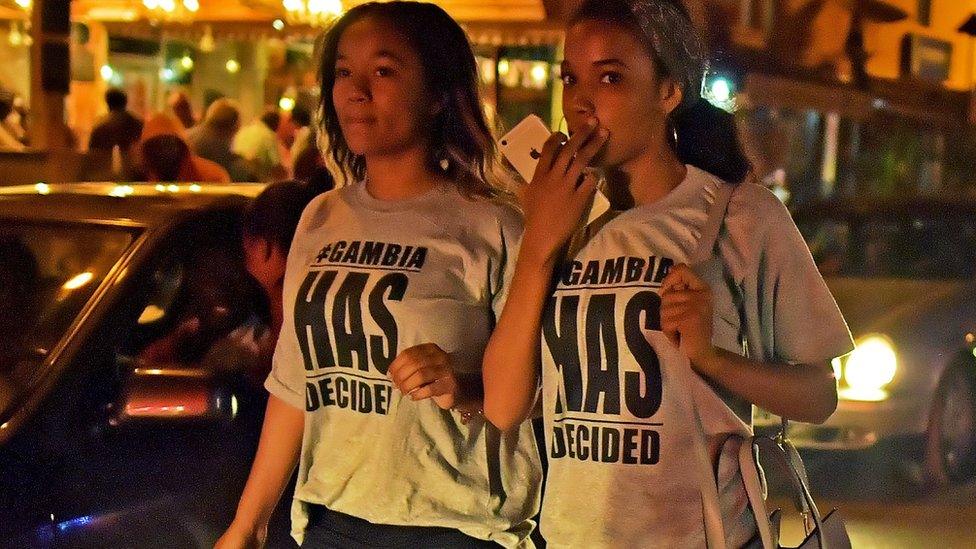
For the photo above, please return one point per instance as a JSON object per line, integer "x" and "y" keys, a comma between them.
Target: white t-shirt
{"x": 621, "y": 441}
{"x": 365, "y": 280}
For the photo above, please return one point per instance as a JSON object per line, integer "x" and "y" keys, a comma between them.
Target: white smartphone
{"x": 522, "y": 146}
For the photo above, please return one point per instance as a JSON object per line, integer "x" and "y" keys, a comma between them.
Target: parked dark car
{"x": 127, "y": 418}
{"x": 904, "y": 275}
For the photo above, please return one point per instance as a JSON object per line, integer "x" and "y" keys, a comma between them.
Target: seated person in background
{"x": 258, "y": 143}
{"x": 218, "y": 318}
{"x": 165, "y": 156}
{"x": 268, "y": 228}
{"x": 212, "y": 139}
{"x": 9, "y": 141}
{"x": 216, "y": 300}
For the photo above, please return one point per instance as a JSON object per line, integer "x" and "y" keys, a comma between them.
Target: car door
{"x": 113, "y": 473}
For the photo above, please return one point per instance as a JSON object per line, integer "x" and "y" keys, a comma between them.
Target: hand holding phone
{"x": 522, "y": 146}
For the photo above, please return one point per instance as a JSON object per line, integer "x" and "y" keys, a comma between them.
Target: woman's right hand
{"x": 561, "y": 190}
{"x": 237, "y": 537}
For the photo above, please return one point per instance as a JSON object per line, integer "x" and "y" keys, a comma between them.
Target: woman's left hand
{"x": 424, "y": 371}
{"x": 686, "y": 315}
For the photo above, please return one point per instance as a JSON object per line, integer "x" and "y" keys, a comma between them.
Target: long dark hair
{"x": 459, "y": 132}
{"x": 700, "y": 133}
{"x": 274, "y": 214}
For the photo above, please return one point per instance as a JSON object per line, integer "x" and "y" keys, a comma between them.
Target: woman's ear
{"x": 671, "y": 95}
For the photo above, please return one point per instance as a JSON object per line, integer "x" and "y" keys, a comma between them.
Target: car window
{"x": 48, "y": 272}
{"x": 904, "y": 246}
{"x": 197, "y": 296}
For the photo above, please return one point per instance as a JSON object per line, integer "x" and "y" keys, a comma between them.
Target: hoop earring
{"x": 563, "y": 125}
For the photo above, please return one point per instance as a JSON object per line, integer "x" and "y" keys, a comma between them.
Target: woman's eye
{"x": 568, "y": 79}
{"x": 384, "y": 71}
{"x": 341, "y": 73}
{"x": 611, "y": 78}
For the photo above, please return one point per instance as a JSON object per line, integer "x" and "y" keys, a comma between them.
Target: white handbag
{"x": 827, "y": 531}
{"x": 824, "y": 532}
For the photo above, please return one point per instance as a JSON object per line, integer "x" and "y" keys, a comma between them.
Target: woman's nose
{"x": 359, "y": 92}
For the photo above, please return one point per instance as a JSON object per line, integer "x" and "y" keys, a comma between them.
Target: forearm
{"x": 802, "y": 392}
{"x": 277, "y": 455}
{"x": 512, "y": 357}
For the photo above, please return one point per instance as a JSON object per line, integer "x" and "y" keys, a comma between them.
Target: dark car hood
{"x": 878, "y": 305}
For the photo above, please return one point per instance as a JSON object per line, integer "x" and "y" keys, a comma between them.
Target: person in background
{"x": 8, "y": 142}
{"x": 164, "y": 155}
{"x": 213, "y": 137}
{"x": 179, "y": 106}
{"x": 308, "y": 162}
{"x": 110, "y": 145}
{"x": 258, "y": 143}
{"x": 119, "y": 128}
{"x": 268, "y": 227}
{"x": 304, "y": 134}
{"x": 12, "y": 119}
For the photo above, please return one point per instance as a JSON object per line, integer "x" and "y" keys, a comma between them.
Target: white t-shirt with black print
{"x": 366, "y": 279}
{"x": 621, "y": 441}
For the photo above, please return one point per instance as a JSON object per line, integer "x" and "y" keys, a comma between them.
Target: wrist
{"x": 707, "y": 362}
{"x": 538, "y": 255}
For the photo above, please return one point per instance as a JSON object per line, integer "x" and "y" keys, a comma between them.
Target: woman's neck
{"x": 399, "y": 176}
{"x": 645, "y": 179}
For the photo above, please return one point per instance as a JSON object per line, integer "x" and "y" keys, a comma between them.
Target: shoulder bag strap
{"x": 711, "y": 506}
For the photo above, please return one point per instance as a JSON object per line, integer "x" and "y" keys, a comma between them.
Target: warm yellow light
{"x": 151, "y": 314}
{"x": 172, "y": 188}
{"x": 503, "y": 67}
{"x": 862, "y": 395}
{"x": 186, "y": 62}
{"x": 42, "y": 188}
{"x": 14, "y": 37}
{"x": 869, "y": 369}
{"x": 539, "y": 73}
{"x": 79, "y": 281}
{"x": 278, "y": 24}
{"x": 192, "y": 5}
{"x": 312, "y": 12}
{"x": 325, "y": 7}
{"x": 161, "y": 188}
{"x": 232, "y": 66}
{"x": 106, "y": 72}
{"x": 26, "y": 4}
{"x": 194, "y": 188}
{"x": 286, "y": 104}
{"x": 121, "y": 191}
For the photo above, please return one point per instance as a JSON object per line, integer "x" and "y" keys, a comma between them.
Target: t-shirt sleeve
{"x": 510, "y": 226}
{"x": 287, "y": 378}
{"x": 798, "y": 316}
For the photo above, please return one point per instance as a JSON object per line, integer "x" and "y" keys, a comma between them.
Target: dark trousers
{"x": 328, "y": 529}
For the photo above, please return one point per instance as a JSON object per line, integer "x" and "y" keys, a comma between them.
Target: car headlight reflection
{"x": 868, "y": 369}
